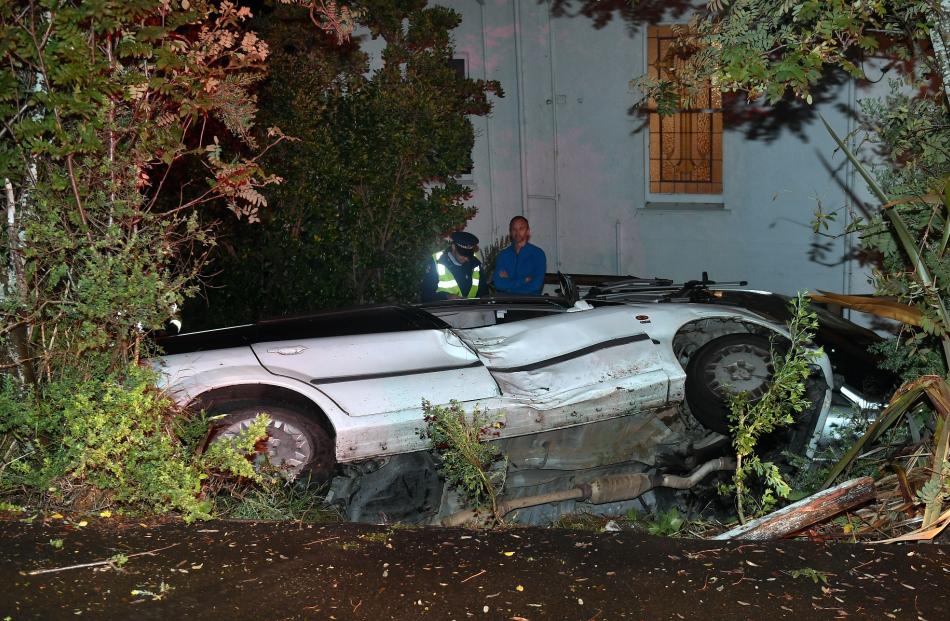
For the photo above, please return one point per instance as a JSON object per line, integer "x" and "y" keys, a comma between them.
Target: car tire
{"x": 295, "y": 443}
{"x": 724, "y": 366}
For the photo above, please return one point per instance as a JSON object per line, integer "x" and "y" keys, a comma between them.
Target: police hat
{"x": 464, "y": 242}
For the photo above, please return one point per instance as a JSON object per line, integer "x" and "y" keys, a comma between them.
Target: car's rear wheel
{"x": 294, "y": 443}
{"x": 723, "y": 367}
{"x": 743, "y": 363}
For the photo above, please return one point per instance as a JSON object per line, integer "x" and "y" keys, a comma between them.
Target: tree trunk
{"x": 20, "y": 353}
{"x": 940, "y": 38}
{"x": 806, "y": 512}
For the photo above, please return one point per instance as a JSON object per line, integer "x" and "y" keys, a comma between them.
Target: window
{"x": 686, "y": 147}
{"x": 458, "y": 66}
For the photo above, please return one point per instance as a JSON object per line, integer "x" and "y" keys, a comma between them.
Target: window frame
{"x": 676, "y": 200}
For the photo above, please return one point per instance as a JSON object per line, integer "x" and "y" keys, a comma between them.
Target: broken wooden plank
{"x": 805, "y": 512}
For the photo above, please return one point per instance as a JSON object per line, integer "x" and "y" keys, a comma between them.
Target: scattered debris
{"x": 108, "y": 561}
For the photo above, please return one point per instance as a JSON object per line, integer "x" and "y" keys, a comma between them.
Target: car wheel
{"x": 294, "y": 443}
{"x": 722, "y": 367}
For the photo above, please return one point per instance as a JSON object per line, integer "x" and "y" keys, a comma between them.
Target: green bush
{"x": 370, "y": 184}
{"x": 776, "y": 409}
{"x": 102, "y": 104}
{"x": 468, "y": 462}
{"x": 116, "y": 441}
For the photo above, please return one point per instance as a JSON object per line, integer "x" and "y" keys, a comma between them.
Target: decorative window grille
{"x": 686, "y": 147}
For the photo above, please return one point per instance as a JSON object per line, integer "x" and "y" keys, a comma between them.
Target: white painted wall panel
{"x": 564, "y": 148}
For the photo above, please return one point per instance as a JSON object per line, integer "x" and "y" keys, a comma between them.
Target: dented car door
{"x": 572, "y": 368}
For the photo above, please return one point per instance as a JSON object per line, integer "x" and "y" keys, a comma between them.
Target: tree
{"x": 101, "y": 101}
{"x": 372, "y": 178}
{"x": 775, "y": 51}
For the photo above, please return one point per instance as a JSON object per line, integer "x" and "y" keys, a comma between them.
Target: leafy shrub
{"x": 370, "y": 184}
{"x": 468, "y": 462}
{"x": 776, "y": 409}
{"x": 102, "y": 104}
{"x": 297, "y": 500}
{"x": 910, "y": 133}
{"x": 667, "y": 523}
{"x": 116, "y": 441}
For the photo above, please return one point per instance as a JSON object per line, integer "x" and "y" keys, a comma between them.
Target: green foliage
{"x": 818, "y": 577}
{"x": 468, "y": 462}
{"x": 768, "y": 49}
{"x": 371, "y": 182}
{"x": 776, "y": 409}
{"x": 668, "y": 523}
{"x": 911, "y": 133}
{"x": 282, "y": 500}
{"x": 102, "y": 103}
{"x": 933, "y": 490}
{"x": 118, "y": 560}
{"x": 111, "y": 441}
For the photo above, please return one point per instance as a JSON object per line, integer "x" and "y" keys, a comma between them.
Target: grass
{"x": 298, "y": 501}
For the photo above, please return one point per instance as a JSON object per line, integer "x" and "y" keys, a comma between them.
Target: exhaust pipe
{"x": 609, "y": 488}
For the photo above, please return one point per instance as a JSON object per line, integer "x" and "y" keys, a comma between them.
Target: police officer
{"x": 454, "y": 272}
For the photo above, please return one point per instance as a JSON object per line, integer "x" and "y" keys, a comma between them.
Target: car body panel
{"x": 556, "y": 369}
{"x": 365, "y": 374}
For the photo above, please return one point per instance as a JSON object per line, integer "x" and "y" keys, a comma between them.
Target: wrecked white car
{"x": 580, "y": 390}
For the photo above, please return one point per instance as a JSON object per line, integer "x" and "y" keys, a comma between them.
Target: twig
{"x": 108, "y": 561}
{"x": 321, "y": 541}
{"x": 472, "y": 576}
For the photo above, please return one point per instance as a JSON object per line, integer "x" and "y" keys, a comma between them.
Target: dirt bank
{"x": 346, "y": 571}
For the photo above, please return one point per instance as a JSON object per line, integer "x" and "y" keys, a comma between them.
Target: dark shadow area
{"x": 636, "y": 14}
{"x": 824, "y": 246}
{"x": 758, "y": 120}
{"x": 835, "y": 172}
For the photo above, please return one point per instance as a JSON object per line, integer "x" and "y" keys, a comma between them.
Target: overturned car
{"x": 581, "y": 388}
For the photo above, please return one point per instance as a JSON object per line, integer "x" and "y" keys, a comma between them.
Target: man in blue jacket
{"x": 519, "y": 268}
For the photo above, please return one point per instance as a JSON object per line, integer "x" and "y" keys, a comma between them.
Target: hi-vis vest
{"x": 447, "y": 283}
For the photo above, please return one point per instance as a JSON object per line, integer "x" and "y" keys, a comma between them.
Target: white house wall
{"x": 564, "y": 149}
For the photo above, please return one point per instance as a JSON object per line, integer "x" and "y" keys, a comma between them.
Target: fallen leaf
{"x": 105, "y": 514}
{"x": 82, "y": 523}
{"x": 57, "y": 516}
{"x": 509, "y": 553}
{"x": 519, "y": 588}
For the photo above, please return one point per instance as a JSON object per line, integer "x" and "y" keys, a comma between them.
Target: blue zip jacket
{"x": 525, "y": 270}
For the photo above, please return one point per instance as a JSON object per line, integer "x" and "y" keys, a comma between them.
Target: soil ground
{"x": 243, "y": 570}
